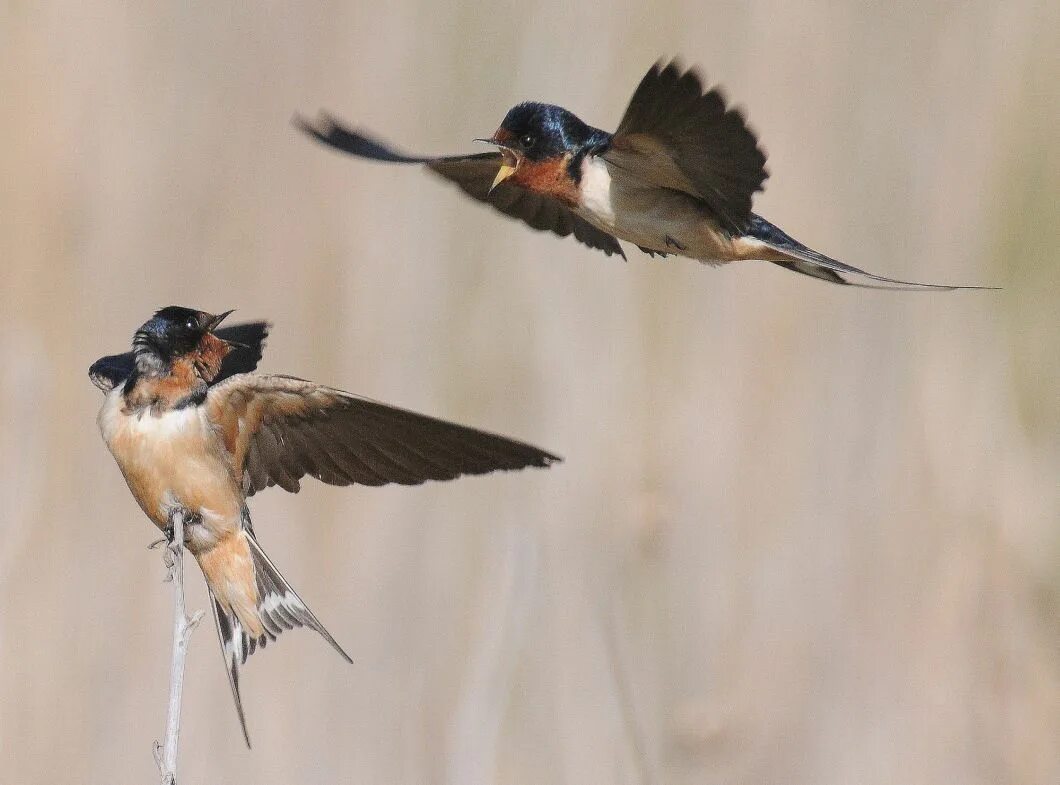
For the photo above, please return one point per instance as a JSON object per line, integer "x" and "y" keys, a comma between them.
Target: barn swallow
{"x": 676, "y": 177}
{"x": 195, "y": 431}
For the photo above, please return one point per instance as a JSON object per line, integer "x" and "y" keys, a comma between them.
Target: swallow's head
{"x": 538, "y": 142}
{"x": 176, "y": 333}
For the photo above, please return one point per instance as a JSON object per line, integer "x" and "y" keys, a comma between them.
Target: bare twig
{"x": 183, "y": 627}
{"x": 624, "y": 691}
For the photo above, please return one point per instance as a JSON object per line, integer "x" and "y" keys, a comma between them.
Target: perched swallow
{"x": 194, "y": 431}
{"x": 677, "y": 177}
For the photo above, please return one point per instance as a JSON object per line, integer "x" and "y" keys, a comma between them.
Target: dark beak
{"x": 217, "y": 320}
{"x": 213, "y": 326}
{"x": 494, "y": 142}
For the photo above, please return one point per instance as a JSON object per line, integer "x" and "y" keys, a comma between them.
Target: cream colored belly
{"x": 173, "y": 461}
{"x": 657, "y": 218}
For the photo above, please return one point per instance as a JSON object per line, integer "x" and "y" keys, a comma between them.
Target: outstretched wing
{"x": 248, "y": 341}
{"x": 474, "y": 175}
{"x": 279, "y": 429}
{"x": 675, "y": 135}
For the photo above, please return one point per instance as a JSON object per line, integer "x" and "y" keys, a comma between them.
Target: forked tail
{"x": 799, "y": 258}
{"x": 279, "y": 608}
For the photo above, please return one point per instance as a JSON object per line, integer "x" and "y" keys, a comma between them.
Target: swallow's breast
{"x": 597, "y": 193}
{"x": 647, "y": 214}
{"x": 173, "y": 460}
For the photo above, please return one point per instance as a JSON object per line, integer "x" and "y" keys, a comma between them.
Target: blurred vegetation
{"x": 802, "y": 533}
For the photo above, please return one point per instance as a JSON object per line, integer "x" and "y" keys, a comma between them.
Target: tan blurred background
{"x": 803, "y": 534}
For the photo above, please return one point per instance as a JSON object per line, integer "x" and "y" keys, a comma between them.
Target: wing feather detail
{"x": 473, "y": 174}
{"x": 675, "y": 134}
{"x": 279, "y": 429}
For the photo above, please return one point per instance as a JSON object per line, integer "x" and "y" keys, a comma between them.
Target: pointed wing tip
{"x": 330, "y": 130}
{"x": 298, "y": 120}
{"x": 541, "y": 460}
{"x": 531, "y": 457}
{"x": 536, "y": 459}
{"x": 333, "y": 132}
{"x": 319, "y": 129}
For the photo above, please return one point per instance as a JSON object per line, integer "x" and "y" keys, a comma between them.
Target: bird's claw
{"x": 166, "y": 540}
{"x": 170, "y": 563}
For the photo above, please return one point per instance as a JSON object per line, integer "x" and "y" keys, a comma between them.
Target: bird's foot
{"x": 672, "y": 243}
{"x": 190, "y": 519}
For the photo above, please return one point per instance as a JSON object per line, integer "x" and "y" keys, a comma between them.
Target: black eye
{"x": 192, "y": 323}
{"x": 527, "y": 140}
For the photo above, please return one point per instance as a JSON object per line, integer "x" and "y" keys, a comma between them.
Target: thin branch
{"x": 624, "y": 691}
{"x": 183, "y": 627}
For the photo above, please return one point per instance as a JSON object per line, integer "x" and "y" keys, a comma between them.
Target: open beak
{"x": 217, "y": 320}
{"x": 213, "y": 326}
{"x": 509, "y": 162}
{"x": 506, "y": 171}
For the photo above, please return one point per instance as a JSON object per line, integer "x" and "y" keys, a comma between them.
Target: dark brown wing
{"x": 474, "y": 174}
{"x": 674, "y": 135}
{"x": 279, "y": 429}
{"x": 248, "y": 343}
{"x": 249, "y": 337}
{"x": 110, "y": 371}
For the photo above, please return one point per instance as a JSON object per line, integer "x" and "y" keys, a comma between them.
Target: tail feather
{"x": 233, "y": 649}
{"x": 279, "y": 608}
{"x": 802, "y": 259}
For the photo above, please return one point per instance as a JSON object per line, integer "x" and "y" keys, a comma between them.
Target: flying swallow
{"x": 195, "y": 431}
{"x": 676, "y": 177}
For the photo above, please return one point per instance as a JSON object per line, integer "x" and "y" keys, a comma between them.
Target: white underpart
{"x": 596, "y": 192}
{"x": 145, "y": 424}
{"x": 647, "y": 215}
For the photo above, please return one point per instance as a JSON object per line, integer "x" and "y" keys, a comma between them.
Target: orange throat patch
{"x": 209, "y": 355}
{"x": 187, "y": 375}
{"x": 162, "y": 393}
{"x": 550, "y": 177}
